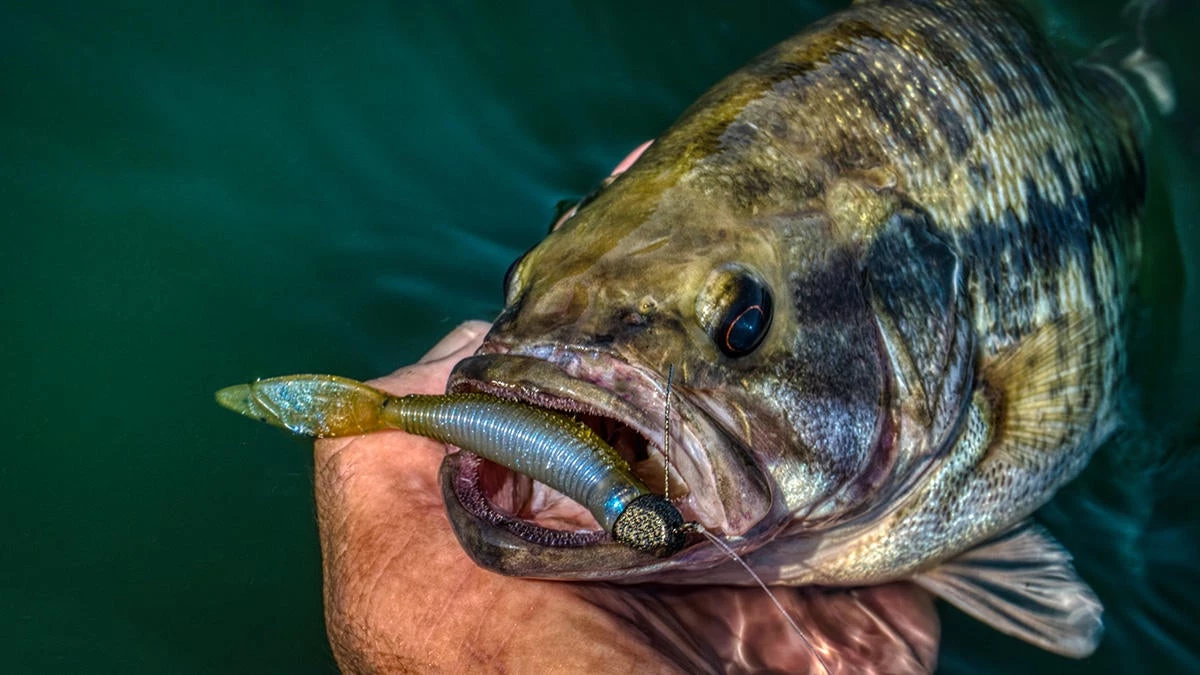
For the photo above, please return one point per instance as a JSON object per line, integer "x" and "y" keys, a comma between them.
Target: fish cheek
{"x": 829, "y": 387}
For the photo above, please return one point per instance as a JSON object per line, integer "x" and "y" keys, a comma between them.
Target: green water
{"x": 194, "y": 194}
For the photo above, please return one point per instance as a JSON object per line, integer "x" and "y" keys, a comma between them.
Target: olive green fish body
{"x": 889, "y": 261}
{"x": 917, "y": 126}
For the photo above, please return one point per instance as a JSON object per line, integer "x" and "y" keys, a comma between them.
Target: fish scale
{"x": 1040, "y": 232}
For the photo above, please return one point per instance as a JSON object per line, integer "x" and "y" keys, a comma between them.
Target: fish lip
{"x": 598, "y": 383}
{"x": 492, "y": 541}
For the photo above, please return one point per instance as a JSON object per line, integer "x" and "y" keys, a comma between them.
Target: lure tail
{"x": 320, "y": 406}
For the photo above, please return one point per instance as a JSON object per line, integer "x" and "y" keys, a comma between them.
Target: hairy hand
{"x": 401, "y": 595}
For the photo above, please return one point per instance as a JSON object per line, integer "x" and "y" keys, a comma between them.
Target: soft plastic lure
{"x": 548, "y": 446}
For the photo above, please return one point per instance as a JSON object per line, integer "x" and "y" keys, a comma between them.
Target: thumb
{"x": 465, "y": 334}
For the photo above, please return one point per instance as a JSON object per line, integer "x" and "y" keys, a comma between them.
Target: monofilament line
{"x": 697, "y": 527}
{"x": 667, "y": 434}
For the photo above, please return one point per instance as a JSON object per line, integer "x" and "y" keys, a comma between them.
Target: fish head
{"x": 779, "y": 415}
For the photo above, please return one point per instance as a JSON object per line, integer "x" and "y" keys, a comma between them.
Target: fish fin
{"x": 1022, "y": 583}
{"x": 1045, "y": 392}
{"x": 1131, "y": 53}
{"x": 917, "y": 286}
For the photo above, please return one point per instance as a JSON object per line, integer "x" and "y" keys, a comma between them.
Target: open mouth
{"x": 535, "y": 511}
{"x": 513, "y": 524}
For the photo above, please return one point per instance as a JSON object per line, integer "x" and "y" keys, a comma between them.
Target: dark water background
{"x": 194, "y": 194}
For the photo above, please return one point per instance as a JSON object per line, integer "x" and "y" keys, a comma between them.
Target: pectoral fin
{"x": 1022, "y": 583}
{"x": 1048, "y": 395}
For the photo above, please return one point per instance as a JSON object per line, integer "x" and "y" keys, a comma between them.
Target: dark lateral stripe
{"x": 1070, "y": 222}
{"x": 1019, "y": 262}
{"x": 1004, "y": 256}
{"x": 953, "y": 60}
{"x": 880, "y": 96}
{"x": 935, "y": 99}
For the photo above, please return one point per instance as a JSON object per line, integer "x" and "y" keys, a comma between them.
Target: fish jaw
{"x": 715, "y": 481}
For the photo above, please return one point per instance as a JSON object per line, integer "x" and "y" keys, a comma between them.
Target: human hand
{"x": 399, "y": 592}
{"x": 401, "y": 595}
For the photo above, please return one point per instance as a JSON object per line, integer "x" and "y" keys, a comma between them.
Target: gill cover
{"x": 917, "y": 287}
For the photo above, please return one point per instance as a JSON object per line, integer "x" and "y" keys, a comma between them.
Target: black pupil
{"x": 746, "y": 320}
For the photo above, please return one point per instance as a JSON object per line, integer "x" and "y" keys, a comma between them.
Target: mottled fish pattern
{"x": 887, "y": 265}
{"x": 957, "y": 114}
{"x": 946, "y": 211}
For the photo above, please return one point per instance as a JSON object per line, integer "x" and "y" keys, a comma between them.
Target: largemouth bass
{"x": 889, "y": 262}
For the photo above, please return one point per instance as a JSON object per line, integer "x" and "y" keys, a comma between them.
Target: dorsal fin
{"x": 1022, "y": 583}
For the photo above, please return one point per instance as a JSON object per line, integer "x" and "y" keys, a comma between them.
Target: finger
{"x": 621, "y": 167}
{"x": 631, "y": 158}
{"x": 464, "y": 334}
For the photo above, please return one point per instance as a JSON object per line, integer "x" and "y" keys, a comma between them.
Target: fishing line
{"x": 697, "y": 527}
{"x": 667, "y": 434}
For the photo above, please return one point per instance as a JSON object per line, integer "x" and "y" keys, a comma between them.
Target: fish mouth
{"x": 511, "y": 524}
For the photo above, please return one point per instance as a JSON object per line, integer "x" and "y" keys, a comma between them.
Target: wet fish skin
{"x": 945, "y": 212}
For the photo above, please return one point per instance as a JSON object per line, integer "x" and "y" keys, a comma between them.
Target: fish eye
{"x": 736, "y": 310}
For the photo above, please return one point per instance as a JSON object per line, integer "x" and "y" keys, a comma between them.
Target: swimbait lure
{"x": 550, "y": 447}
